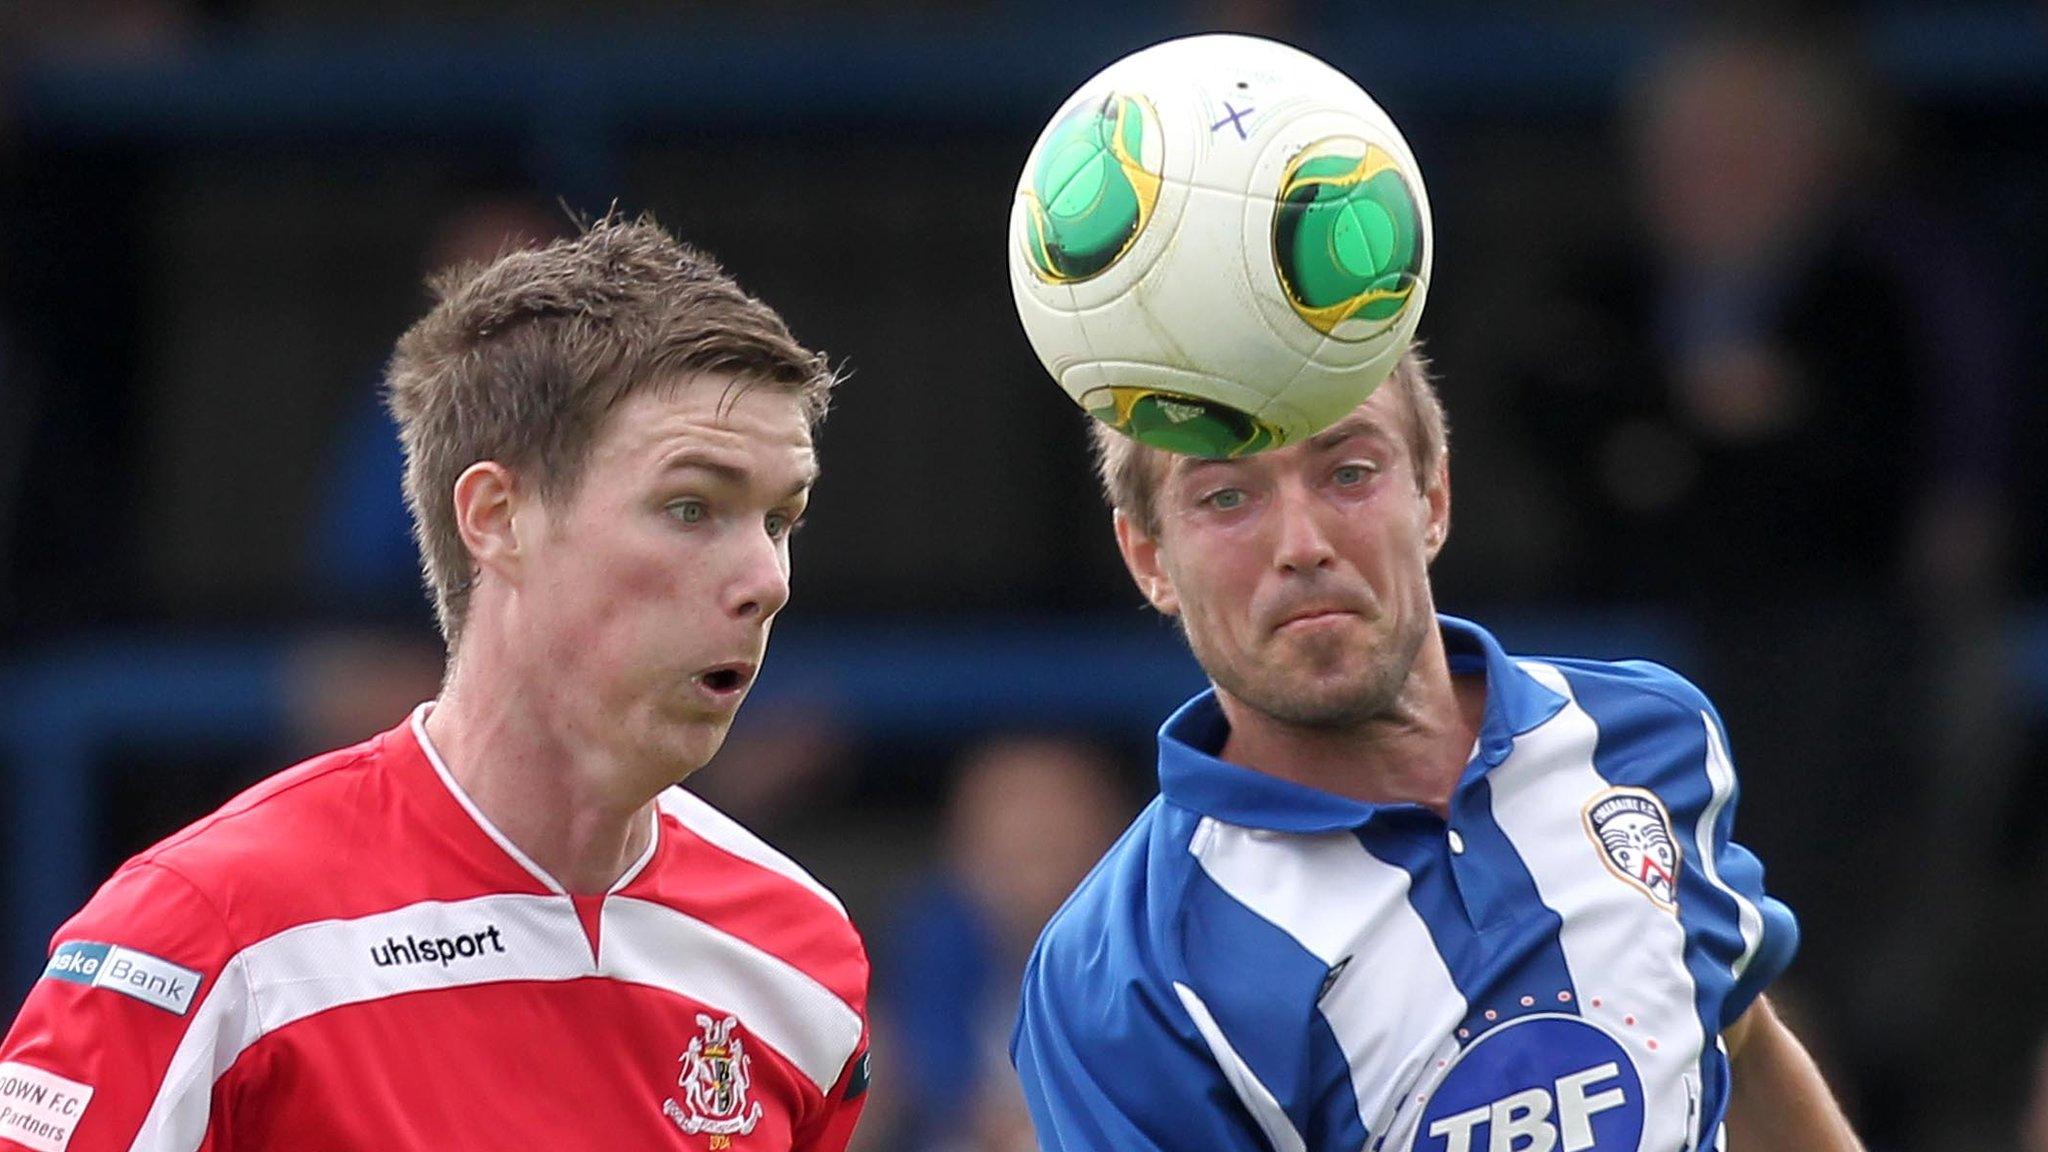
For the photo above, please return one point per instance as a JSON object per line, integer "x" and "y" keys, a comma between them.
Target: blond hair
{"x": 1130, "y": 471}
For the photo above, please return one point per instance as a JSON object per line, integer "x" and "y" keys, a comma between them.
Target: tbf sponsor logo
{"x": 150, "y": 979}
{"x": 715, "y": 1077}
{"x": 1633, "y": 832}
{"x": 1546, "y": 1083}
{"x": 1538, "y": 1119}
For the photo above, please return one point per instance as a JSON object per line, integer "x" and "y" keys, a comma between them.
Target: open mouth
{"x": 725, "y": 678}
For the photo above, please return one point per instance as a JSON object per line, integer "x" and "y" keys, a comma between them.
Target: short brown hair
{"x": 1130, "y": 471}
{"x": 520, "y": 361}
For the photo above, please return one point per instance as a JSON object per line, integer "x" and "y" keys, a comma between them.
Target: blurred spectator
{"x": 1790, "y": 384}
{"x": 362, "y": 553}
{"x": 101, "y": 30}
{"x": 786, "y": 757}
{"x": 2034, "y": 1122}
{"x": 1783, "y": 413}
{"x": 1027, "y": 818}
{"x": 348, "y": 681}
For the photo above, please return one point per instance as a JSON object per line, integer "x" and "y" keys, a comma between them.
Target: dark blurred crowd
{"x": 1787, "y": 407}
{"x": 1754, "y": 347}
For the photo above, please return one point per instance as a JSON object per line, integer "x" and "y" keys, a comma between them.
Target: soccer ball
{"x": 1220, "y": 245}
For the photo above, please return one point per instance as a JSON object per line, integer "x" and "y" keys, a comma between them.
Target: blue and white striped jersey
{"x": 1257, "y": 964}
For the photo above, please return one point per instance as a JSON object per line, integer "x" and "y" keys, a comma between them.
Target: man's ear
{"x": 1437, "y": 528}
{"x": 487, "y": 500}
{"x": 1141, "y": 556}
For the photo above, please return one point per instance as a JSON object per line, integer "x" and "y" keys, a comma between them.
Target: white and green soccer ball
{"x": 1220, "y": 245}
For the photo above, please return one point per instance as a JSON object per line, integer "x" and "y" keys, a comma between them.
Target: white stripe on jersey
{"x": 1376, "y": 1007}
{"x": 327, "y": 964}
{"x": 1614, "y": 940}
{"x": 221, "y": 1028}
{"x": 313, "y": 967}
{"x": 724, "y": 832}
{"x": 1258, "y": 1100}
{"x": 1721, "y": 771}
{"x": 648, "y": 943}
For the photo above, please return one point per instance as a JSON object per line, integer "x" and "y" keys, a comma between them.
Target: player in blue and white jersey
{"x": 1400, "y": 890}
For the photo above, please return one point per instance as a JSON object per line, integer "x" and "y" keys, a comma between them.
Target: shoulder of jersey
{"x": 295, "y": 846}
{"x": 314, "y": 803}
{"x": 1644, "y": 676}
{"x": 723, "y": 832}
{"x": 1136, "y": 887}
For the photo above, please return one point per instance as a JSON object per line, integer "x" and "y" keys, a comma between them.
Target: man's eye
{"x": 1347, "y": 475}
{"x": 689, "y": 511}
{"x": 1224, "y": 499}
{"x": 780, "y": 525}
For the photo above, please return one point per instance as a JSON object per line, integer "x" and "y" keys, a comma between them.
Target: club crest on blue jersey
{"x": 715, "y": 1076}
{"x": 1632, "y": 830}
{"x": 1547, "y": 1081}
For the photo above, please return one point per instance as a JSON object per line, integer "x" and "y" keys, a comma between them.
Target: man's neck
{"x": 559, "y": 803}
{"x": 1413, "y": 753}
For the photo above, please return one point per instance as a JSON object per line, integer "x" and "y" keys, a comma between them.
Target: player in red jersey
{"x": 500, "y": 925}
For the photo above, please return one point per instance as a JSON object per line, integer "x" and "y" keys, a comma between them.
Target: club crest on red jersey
{"x": 715, "y": 1076}
{"x": 1632, "y": 830}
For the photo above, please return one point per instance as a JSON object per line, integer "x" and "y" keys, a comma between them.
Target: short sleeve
{"x": 1107, "y": 1067}
{"x": 114, "y": 1047}
{"x": 1746, "y": 936}
{"x": 842, "y": 1108}
{"x": 1766, "y": 931}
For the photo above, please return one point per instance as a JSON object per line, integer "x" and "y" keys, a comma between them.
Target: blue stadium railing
{"x": 570, "y": 99}
{"x": 68, "y": 709}
{"x": 972, "y": 67}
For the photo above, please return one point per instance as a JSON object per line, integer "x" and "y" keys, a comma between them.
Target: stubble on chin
{"x": 1328, "y": 686}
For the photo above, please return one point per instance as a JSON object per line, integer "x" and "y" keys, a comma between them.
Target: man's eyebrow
{"x": 1346, "y": 429}
{"x": 1186, "y": 464}
{"x": 730, "y": 472}
{"x": 723, "y": 469}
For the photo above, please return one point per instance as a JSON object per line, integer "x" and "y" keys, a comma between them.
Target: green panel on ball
{"x": 1092, "y": 189}
{"x": 1347, "y": 235}
{"x": 1183, "y": 424}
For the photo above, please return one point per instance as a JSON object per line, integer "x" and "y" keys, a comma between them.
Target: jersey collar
{"x": 1193, "y": 777}
{"x": 416, "y": 727}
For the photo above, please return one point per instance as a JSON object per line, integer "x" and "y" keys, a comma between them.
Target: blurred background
{"x": 1738, "y": 314}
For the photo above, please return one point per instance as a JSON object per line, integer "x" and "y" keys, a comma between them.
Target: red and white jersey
{"x": 349, "y": 956}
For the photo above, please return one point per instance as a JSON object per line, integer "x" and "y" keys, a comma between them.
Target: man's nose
{"x": 760, "y": 584}
{"x": 1303, "y": 543}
